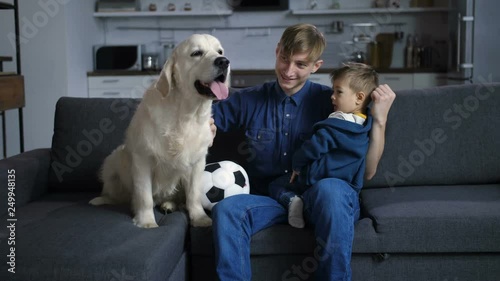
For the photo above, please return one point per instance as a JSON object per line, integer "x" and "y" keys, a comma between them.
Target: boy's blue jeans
{"x": 331, "y": 206}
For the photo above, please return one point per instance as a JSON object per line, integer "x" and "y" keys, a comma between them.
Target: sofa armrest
{"x": 27, "y": 176}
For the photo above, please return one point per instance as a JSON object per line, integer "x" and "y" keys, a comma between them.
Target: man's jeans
{"x": 331, "y": 206}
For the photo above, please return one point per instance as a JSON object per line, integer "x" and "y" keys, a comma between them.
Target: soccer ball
{"x": 221, "y": 180}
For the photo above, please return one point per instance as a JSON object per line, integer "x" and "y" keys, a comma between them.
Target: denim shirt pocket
{"x": 260, "y": 135}
{"x": 260, "y": 145}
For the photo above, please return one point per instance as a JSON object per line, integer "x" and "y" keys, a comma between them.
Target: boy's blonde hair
{"x": 300, "y": 38}
{"x": 361, "y": 78}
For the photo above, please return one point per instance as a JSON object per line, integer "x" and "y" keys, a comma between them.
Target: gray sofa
{"x": 432, "y": 212}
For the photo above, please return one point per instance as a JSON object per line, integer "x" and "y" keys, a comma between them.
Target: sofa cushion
{"x": 442, "y": 136}
{"x": 86, "y": 130}
{"x": 431, "y": 219}
{"x": 277, "y": 240}
{"x": 61, "y": 237}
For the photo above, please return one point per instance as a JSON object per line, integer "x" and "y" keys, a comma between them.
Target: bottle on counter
{"x": 417, "y": 52}
{"x": 409, "y": 52}
{"x": 374, "y": 54}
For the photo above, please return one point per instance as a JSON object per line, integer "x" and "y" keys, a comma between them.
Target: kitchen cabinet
{"x": 397, "y": 81}
{"x": 125, "y": 86}
{"x": 404, "y": 81}
{"x": 321, "y": 78}
{"x": 427, "y": 80}
{"x": 249, "y": 78}
{"x": 134, "y": 86}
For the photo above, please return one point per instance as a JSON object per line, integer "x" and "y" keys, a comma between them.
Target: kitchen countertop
{"x": 328, "y": 70}
{"x": 258, "y": 72}
{"x": 121, "y": 73}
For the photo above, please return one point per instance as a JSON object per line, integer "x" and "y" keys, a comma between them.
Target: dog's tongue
{"x": 219, "y": 89}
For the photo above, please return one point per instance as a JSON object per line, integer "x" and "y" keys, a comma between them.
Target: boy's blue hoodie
{"x": 337, "y": 149}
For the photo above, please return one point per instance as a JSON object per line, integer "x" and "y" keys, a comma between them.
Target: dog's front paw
{"x": 169, "y": 207}
{"x": 144, "y": 223}
{"x": 101, "y": 200}
{"x": 201, "y": 222}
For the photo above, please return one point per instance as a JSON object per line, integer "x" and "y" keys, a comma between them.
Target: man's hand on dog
{"x": 213, "y": 128}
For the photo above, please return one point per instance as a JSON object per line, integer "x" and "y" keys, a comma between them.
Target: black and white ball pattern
{"x": 221, "y": 180}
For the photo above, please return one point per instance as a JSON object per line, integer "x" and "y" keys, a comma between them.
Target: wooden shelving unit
{"x": 12, "y": 84}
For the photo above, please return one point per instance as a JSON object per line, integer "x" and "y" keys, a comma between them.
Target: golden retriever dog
{"x": 163, "y": 156}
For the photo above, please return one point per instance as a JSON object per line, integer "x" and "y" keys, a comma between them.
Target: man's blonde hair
{"x": 361, "y": 78}
{"x": 302, "y": 38}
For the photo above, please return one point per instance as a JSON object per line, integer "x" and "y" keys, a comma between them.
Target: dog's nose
{"x": 221, "y": 62}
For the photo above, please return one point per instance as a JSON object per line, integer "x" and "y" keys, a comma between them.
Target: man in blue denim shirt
{"x": 277, "y": 117}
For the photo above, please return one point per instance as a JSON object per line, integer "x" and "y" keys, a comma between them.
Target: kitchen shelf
{"x": 6, "y": 6}
{"x": 294, "y": 12}
{"x": 5, "y": 58}
{"x": 162, "y": 14}
{"x": 2, "y": 59}
{"x": 369, "y": 11}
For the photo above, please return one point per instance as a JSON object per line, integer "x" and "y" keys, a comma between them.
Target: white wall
{"x": 81, "y": 33}
{"x": 55, "y": 55}
{"x": 59, "y": 35}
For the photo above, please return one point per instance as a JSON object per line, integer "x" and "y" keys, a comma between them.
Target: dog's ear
{"x": 166, "y": 81}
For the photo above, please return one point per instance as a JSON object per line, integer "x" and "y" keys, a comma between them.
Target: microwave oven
{"x": 118, "y": 57}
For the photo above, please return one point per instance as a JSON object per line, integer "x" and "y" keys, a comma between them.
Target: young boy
{"x": 339, "y": 144}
